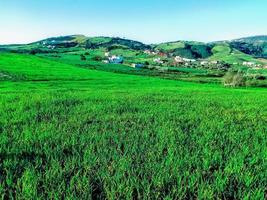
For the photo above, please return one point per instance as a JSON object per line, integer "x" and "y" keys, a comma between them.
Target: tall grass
{"x": 128, "y": 137}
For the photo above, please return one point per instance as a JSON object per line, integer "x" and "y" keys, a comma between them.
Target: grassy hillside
{"x": 89, "y": 52}
{"x": 171, "y": 46}
{"x": 193, "y": 50}
{"x": 75, "y": 43}
{"x": 236, "y": 51}
{"x": 26, "y": 67}
{"x": 255, "y": 46}
{"x": 175, "y": 73}
{"x": 224, "y": 52}
{"x": 73, "y": 133}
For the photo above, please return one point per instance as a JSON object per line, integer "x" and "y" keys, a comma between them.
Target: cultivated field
{"x": 76, "y": 133}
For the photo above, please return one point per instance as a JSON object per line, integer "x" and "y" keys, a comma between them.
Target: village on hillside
{"x": 159, "y": 59}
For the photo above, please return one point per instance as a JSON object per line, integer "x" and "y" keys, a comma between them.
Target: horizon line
{"x": 126, "y": 38}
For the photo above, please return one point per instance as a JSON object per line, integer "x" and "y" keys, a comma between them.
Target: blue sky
{"x": 149, "y": 21}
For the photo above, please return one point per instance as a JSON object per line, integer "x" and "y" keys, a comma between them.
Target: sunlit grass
{"x": 84, "y": 134}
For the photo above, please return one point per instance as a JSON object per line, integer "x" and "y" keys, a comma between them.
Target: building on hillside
{"x": 214, "y": 62}
{"x": 250, "y": 64}
{"x": 204, "y": 62}
{"x": 138, "y": 66}
{"x": 178, "y": 59}
{"x": 149, "y": 52}
{"x": 162, "y": 54}
{"x": 116, "y": 59}
{"x": 51, "y": 47}
{"x": 107, "y": 54}
{"x": 158, "y": 61}
{"x": 189, "y": 60}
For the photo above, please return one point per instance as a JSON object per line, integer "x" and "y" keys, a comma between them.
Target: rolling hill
{"x": 255, "y": 46}
{"x": 92, "y": 42}
{"x": 187, "y": 49}
{"x": 234, "y": 51}
{"x": 224, "y": 52}
{"x": 253, "y": 39}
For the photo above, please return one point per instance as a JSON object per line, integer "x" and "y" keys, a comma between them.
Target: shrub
{"x": 146, "y": 63}
{"x": 83, "y": 57}
{"x": 97, "y": 58}
{"x": 33, "y": 52}
{"x": 234, "y": 79}
{"x": 252, "y": 83}
{"x": 239, "y": 80}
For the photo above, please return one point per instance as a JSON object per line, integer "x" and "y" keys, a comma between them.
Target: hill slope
{"x": 255, "y": 46}
{"x": 193, "y": 50}
{"x": 224, "y": 52}
{"x": 92, "y": 42}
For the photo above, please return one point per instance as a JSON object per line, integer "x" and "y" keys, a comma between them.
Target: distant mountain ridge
{"x": 252, "y": 39}
{"x": 93, "y": 42}
{"x": 237, "y": 50}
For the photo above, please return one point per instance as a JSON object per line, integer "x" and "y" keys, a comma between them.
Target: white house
{"x": 158, "y": 60}
{"x": 178, "y": 59}
{"x": 249, "y": 64}
{"x": 214, "y": 62}
{"x": 188, "y": 60}
{"x": 204, "y": 62}
{"x": 107, "y": 54}
{"x": 51, "y": 47}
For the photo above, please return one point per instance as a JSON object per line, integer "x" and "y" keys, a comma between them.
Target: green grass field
{"x": 68, "y": 132}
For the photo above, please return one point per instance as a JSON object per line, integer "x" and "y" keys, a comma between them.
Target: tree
{"x": 97, "y": 58}
{"x": 83, "y": 58}
{"x": 146, "y": 63}
{"x": 33, "y": 52}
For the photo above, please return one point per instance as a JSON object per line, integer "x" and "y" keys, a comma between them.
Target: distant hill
{"x": 255, "y": 46}
{"x": 187, "y": 49}
{"x": 92, "y": 42}
{"x": 239, "y": 50}
{"x": 253, "y": 39}
{"x": 111, "y": 43}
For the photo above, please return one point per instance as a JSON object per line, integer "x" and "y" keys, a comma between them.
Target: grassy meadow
{"x": 69, "y": 132}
